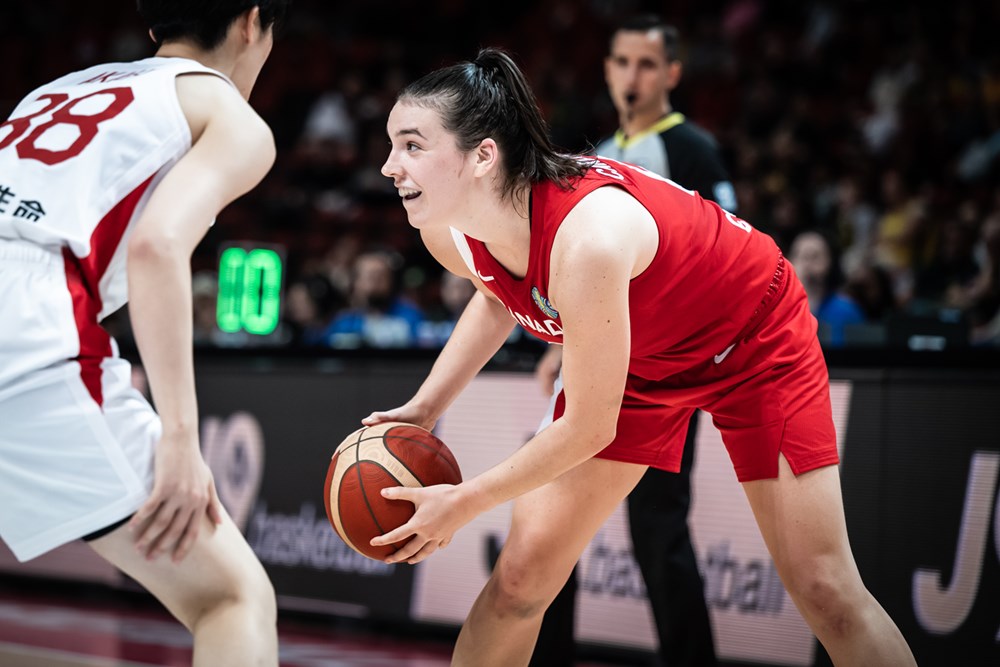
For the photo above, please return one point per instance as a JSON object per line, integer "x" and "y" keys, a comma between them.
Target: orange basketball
{"x": 371, "y": 459}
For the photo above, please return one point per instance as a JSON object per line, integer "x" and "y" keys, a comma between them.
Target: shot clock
{"x": 250, "y": 284}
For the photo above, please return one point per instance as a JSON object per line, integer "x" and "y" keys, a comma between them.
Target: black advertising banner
{"x": 920, "y": 471}
{"x": 920, "y": 476}
{"x": 268, "y": 432}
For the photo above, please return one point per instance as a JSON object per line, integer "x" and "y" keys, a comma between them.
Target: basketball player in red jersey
{"x": 663, "y": 303}
{"x": 111, "y": 176}
{"x": 641, "y": 69}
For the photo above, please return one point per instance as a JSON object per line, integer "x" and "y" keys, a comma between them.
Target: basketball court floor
{"x": 50, "y": 624}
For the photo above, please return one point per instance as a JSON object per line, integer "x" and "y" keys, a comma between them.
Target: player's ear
{"x": 674, "y": 72}
{"x": 249, "y": 24}
{"x": 487, "y": 156}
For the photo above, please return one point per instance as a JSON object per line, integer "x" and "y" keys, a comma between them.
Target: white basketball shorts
{"x": 74, "y": 458}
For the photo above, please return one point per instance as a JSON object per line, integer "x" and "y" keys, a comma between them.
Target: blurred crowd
{"x": 864, "y": 137}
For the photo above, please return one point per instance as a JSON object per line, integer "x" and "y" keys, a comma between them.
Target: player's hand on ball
{"x": 440, "y": 511}
{"x": 183, "y": 491}
{"x": 409, "y": 414}
{"x": 371, "y": 459}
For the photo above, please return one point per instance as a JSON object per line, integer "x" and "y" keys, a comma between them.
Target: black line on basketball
{"x": 365, "y": 495}
{"x": 437, "y": 452}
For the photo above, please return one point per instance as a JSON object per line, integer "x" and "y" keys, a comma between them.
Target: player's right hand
{"x": 439, "y": 513}
{"x": 183, "y": 492}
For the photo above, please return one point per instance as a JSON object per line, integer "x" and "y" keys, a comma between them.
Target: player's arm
{"x": 604, "y": 242}
{"x": 480, "y": 331}
{"x": 232, "y": 150}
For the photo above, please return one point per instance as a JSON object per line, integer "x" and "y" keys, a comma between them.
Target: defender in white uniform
{"x": 109, "y": 178}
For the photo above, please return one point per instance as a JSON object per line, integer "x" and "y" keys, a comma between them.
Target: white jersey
{"x": 79, "y": 157}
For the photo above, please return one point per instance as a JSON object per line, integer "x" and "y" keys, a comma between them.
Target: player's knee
{"x": 263, "y": 600}
{"x": 520, "y": 590}
{"x": 825, "y": 595}
{"x": 257, "y": 597}
{"x": 245, "y": 593}
{"x": 513, "y": 598}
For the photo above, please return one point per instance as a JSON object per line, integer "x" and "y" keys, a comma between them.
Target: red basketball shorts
{"x": 767, "y": 394}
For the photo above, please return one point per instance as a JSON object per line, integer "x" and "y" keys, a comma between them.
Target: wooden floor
{"x": 44, "y": 624}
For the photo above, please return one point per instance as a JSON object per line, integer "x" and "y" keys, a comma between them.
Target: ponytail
{"x": 490, "y": 98}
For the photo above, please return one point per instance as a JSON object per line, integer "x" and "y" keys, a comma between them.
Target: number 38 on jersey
{"x": 64, "y": 126}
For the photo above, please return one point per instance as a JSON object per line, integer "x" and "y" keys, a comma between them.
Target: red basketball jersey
{"x": 708, "y": 278}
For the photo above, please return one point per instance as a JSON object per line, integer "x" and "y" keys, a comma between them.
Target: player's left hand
{"x": 409, "y": 414}
{"x": 440, "y": 512}
{"x": 183, "y": 493}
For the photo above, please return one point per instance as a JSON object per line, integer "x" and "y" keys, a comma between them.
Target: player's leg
{"x": 556, "y": 645}
{"x": 661, "y": 541}
{"x": 220, "y": 592}
{"x": 97, "y": 459}
{"x": 77, "y": 445}
{"x": 778, "y": 428}
{"x": 549, "y": 530}
{"x": 802, "y": 521}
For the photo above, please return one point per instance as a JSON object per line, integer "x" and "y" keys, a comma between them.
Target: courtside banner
{"x": 268, "y": 432}
{"x": 920, "y": 474}
{"x": 921, "y": 479}
{"x": 920, "y": 470}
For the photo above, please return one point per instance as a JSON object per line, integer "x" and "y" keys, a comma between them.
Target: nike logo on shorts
{"x": 485, "y": 279}
{"x": 725, "y": 353}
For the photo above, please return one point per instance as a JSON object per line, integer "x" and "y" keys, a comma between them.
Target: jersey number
{"x": 59, "y": 106}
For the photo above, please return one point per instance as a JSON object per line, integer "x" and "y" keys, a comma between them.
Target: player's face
{"x": 425, "y": 165}
{"x": 637, "y": 71}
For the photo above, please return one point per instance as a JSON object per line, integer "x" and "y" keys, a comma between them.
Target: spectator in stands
{"x": 204, "y": 290}
{"x": 982, "y": 299}
{"x": 377, "y": 316}
{"x": 455, "y": 294}
{"x": 854, "y": 221}
{"x": 817, "y": 264}
{"x": 338, "y": 263}
{"x": 802, "y": 120}
{"x": 897, "y": 232}
{"x": 870, "y": 287}
{"x": 953, "y": 268}
{"x": 310, "y": 301}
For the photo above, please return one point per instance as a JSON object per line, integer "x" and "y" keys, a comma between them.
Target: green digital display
{"x": 249, "y": 290}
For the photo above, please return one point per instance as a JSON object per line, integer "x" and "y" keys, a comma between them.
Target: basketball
{"x": 371, "y": 459}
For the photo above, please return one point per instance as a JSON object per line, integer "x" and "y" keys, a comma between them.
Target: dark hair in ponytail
{"x": 489, "y": 97}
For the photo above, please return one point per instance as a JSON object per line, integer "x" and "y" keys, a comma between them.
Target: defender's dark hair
{"x": 490, "y": 98}
{"x": 204, "y": 21}
{"x": 645, "y": 23}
